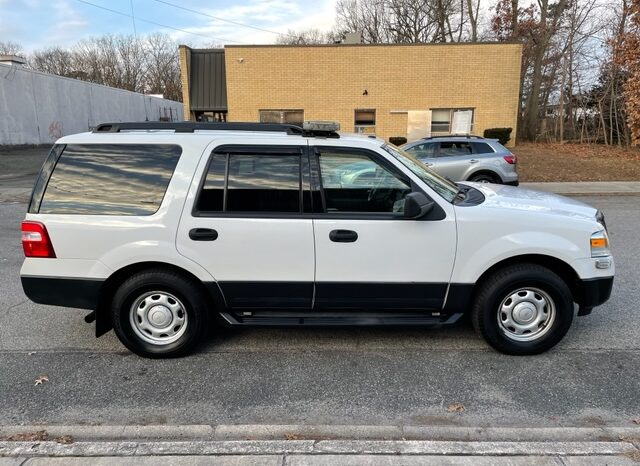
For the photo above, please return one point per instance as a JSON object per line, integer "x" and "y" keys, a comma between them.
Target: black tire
{"x": 485, "y": 177}
{"x": 496, "y": 290}
{"x": 188, "y": 295}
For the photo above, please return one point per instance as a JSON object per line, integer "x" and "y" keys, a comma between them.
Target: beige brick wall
{"x": 328, "y": 82}
{"x": 184, "y": 81}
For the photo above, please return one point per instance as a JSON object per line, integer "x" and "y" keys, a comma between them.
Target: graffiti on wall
{"x": 55, "y": 130}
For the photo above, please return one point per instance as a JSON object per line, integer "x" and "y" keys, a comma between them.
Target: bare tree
{"x": 10, "y": 48}
{"x": 473, "y": 10}
{"x": 54, "y": 60}
{"x": 162, "y": 67}
{"x": 410, "y": 21}
{"x": 371, "y": 18}
{"x": 146, "y": 65}
{"x": 306, "y": 37}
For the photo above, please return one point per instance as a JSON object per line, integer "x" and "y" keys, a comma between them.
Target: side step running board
{"x": 336, "y": 319}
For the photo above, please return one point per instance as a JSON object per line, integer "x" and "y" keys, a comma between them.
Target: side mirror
{"x": 417, "y": 205}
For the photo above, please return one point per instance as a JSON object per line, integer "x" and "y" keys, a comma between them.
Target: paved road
{"x": 311, "y": 376}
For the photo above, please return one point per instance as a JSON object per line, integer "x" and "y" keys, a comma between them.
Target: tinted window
{"x": 110, "y": 179}
{"x": 454, "y": 148}
{"x": 356, "y": 183}
{"x": 423, "y": 151}
{"x": 481, "y": 148}
{"x": 254, "y": 183}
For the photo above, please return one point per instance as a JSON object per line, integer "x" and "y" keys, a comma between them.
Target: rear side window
{"x": 481, "y": 148}
{"x": 109, "y": 179}
{"x": 454, "y": 148}
{"x": 251, "y": 182}
{"x": 422, "y": 151}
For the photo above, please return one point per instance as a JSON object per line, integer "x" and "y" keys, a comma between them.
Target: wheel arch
{"x": 111, "y": 284}
{"x": 461, "y": 297}
{"x": 485, "y": 171}
{"x": 558, "y": 266}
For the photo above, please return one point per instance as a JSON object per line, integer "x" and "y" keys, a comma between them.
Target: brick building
{"x": 410, "y": 90}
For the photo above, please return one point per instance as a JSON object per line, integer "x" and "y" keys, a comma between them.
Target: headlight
{"x": 600, "y": 244}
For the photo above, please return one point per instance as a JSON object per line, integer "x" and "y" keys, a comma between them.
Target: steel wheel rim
{"x": 158, "y": 318}
{"x": 526, "y": 314}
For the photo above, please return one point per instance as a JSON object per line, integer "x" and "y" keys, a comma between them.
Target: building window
{"x": 452, "y": 120}
{"x": 365, "y": 121}
{"x": 291, "y": 117}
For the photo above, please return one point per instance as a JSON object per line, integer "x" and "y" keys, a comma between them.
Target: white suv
{"x": 159, "y": 228}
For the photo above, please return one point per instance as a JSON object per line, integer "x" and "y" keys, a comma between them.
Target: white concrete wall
{"x": 38, "y": 108}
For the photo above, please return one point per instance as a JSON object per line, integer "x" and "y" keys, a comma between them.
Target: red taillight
{"x": 36, "y": 241}
{"x": 510, "y": 159}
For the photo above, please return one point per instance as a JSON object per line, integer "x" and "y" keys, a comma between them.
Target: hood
{"x": 520, "y": 199}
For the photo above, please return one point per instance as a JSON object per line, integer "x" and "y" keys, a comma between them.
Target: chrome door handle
{"x": 473, "y": 161}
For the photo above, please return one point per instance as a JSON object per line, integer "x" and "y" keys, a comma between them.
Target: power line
{"x": 157, "y": 24}
{"x": 217, "y": 18}
{"x": 133, "y": 20}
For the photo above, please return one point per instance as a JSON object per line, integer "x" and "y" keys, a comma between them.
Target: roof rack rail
{"x": 460, "y": 135}
{"x": 190, "y": 127}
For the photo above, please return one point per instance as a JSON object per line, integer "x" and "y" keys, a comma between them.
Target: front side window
{"x": 354, "y": 182}
{"x": 251, "y": 183}
{"x": 445, "y": 188}
{"x": 110, "y": 179}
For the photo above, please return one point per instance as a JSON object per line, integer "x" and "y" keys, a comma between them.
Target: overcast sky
{"x": 40, "y": 23}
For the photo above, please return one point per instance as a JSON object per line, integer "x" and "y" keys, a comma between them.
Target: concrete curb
{"x": 311, "y": 447}
{"x": 587, "y": 188}
{"x": 241, "y": 432}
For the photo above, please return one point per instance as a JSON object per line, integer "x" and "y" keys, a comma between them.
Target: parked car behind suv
{"x": 466, "y": 158}
{"x": 163, "y": 228}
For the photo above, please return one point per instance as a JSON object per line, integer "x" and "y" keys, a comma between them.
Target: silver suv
{"x": 466, "y": 158}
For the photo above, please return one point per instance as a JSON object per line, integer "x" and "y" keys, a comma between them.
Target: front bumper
{"x": 593, "y": 292}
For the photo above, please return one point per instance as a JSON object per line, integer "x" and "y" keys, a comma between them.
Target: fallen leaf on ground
{"x": 40, "y": 380}
{"x": 636, "y": 420}
{"x": 64, "y": 439}
{"x": 291, "y": 436}
{"x": 455, "y": 408}
{"x": 38, "y": 436}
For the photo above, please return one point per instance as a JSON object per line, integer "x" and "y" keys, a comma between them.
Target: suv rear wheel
{"x": 159, "y": 313}
{"x": 523, "y": 309}
{"x": 485, "y": 178}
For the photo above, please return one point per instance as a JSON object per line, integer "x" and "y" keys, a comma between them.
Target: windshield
{"x": 442, "y": 186}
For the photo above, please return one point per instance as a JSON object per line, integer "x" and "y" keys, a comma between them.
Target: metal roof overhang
{"x": 207, "y": 80}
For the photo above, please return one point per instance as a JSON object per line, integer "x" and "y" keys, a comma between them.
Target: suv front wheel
{"x": 159, "y": 314}
{"x": 523, "y": 309}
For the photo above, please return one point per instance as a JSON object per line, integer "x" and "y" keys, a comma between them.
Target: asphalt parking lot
{"x": 316, "y": 376}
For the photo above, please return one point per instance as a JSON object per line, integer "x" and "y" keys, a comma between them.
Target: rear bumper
{"x": 67, "y": 292}
{"x": 594, "y": 292}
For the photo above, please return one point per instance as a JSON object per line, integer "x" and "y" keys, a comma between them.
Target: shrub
{"x": 398, "y": 140}
{"x": 501, "y": 134}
